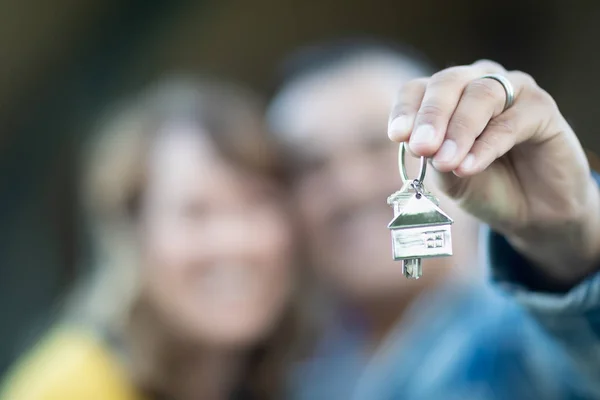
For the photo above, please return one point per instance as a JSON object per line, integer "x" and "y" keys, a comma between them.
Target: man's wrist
{"x": 564, "y": 252}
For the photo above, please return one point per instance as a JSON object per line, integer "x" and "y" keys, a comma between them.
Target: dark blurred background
{"x": 62, "y": 62}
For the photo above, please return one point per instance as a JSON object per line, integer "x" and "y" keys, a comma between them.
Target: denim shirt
{"x": 497, "y": 341}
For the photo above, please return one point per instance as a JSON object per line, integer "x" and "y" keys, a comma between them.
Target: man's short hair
{"x": 315, "y": 58}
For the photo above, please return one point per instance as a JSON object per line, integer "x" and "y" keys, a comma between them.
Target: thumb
{"x": 448, "y": 183}
{"x": 490, "y": 196}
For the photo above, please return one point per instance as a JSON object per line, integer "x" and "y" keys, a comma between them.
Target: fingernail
{"x": 423, "y": 134}
{"x": 468, "y": 162}
{"x": 399, "y": 126}
{"x": 447, "y": 152}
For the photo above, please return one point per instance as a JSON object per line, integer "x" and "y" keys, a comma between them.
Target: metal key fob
{"x": 420, "y": 229}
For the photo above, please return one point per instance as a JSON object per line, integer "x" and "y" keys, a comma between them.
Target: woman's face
{"x": 216, "y": 243}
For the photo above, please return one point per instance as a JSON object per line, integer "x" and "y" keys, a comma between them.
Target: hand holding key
{"x": 501, "y": 148}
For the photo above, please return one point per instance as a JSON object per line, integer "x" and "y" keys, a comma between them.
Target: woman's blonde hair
{"x": 113, "y": 181}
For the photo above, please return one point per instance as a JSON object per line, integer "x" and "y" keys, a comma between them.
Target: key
{"x": 419, "y": 229}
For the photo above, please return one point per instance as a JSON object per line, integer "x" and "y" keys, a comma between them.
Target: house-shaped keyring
{"x": 420, "y": 229}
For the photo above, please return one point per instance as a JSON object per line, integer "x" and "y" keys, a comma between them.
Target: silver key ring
{"x": 402, "y": 167}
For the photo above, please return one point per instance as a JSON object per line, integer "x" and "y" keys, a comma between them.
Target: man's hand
{"x": 520, "y": 170}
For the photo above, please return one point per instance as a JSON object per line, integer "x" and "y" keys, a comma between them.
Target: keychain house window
{"x": 434, "y": 240}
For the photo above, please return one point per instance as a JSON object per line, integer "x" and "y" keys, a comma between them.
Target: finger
{"x": 482, "y": 100}
{"x": 514, "y": 126}
{"x": 405, "y": 109}
{"x": 441, "y": 98}
{"x": 529, "y": 114}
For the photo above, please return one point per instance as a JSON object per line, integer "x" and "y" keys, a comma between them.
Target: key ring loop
{"x": 402, "y": 167}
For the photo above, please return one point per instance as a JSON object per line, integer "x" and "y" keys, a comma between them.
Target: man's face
{"x": 346, "y": 169}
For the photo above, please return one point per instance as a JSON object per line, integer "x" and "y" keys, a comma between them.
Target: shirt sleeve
{"x": 570, "y": 318}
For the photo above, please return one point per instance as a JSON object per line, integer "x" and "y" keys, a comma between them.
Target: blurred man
{"x": 443, "y": 336}
{"x": 332, "y": 114}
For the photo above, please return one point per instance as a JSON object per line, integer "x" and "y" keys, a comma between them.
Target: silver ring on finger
{"x": 508, "y": 88}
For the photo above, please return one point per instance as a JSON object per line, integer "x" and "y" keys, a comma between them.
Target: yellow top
{"x": 69, "y": 364}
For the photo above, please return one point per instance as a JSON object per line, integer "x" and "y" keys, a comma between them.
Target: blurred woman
{"x": 193, "y": 294}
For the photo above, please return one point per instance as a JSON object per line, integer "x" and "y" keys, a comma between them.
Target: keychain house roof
{"x": 420, "y": 229}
